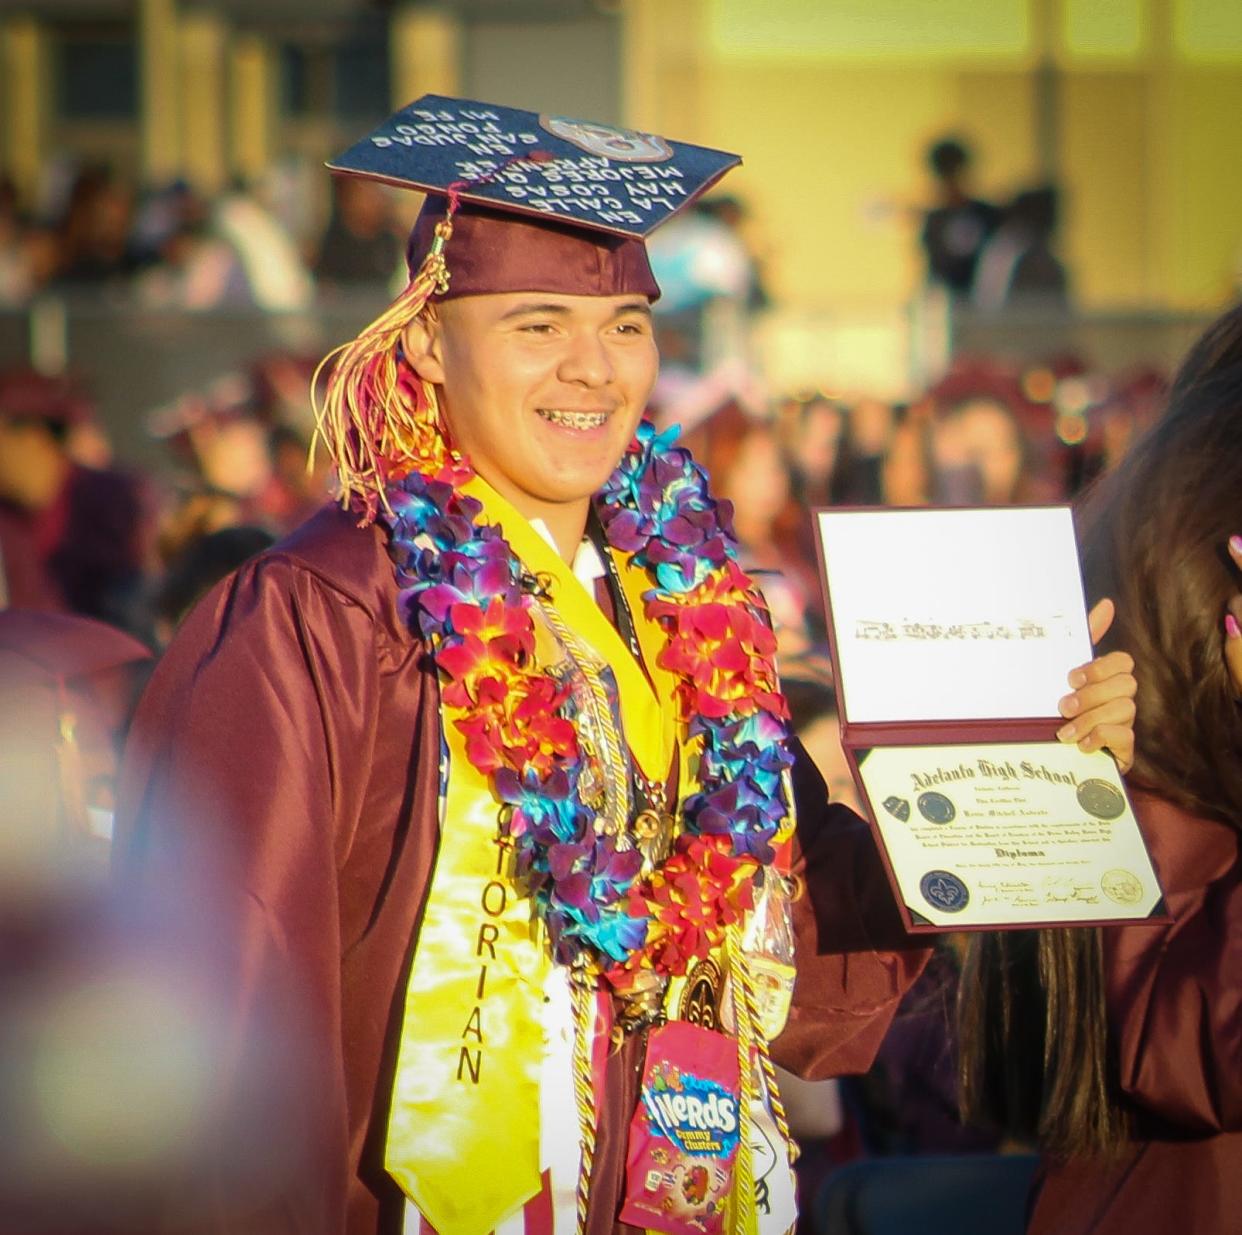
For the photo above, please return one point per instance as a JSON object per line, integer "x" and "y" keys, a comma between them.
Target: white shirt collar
{"x": 587, "y": 564}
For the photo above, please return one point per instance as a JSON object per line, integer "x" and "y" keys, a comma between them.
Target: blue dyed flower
{"x": 471, "y": 579}
{"x": 544, "y": 807}
{"x": 616, "y": 935}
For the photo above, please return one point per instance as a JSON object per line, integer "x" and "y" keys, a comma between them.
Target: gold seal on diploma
{"x": 1099, "y": 798}
{"x": 1121, "y": 886}
{"x": 936, "y": 808}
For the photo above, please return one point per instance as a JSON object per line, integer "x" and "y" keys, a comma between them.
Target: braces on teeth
{"x": 574, "y": 420}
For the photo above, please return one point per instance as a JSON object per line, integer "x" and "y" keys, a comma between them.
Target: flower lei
{"x": 461, "y": 587}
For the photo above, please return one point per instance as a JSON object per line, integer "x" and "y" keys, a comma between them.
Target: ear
{"x": 421, "y": 343}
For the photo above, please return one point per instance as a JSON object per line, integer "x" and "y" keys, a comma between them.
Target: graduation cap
{"x": 26, "y": 394}
{"x": 574, "y": 172}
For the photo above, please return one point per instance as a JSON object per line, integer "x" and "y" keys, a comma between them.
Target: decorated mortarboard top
{"x": 575, "y": 171}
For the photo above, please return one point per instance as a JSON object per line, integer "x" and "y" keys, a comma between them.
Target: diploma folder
{"x": 952, "y": 633}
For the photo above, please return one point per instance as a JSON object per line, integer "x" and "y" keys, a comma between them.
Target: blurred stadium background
{"x": 1127, "y": 107}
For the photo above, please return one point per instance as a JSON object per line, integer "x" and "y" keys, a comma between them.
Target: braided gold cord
{"x": 584, "y": 1084}
{"x": 613, "y": 752}
{"x": 744, "y": 1215}
{"x": 750, "y": 1027}
{"x": 776, "y": 1105}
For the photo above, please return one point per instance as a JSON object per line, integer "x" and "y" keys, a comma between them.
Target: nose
{"x": 586, "y": 361}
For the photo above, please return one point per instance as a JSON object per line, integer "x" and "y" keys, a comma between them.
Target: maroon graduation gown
{"x": 281, "y": 778}
{"x": 1175, "y": 1013}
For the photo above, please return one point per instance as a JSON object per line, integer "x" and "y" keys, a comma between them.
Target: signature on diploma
{"x": 1055, "y": 890}
{"x": 1065, "y": 890}
{"x": 1017, "y": 892}
{"x": 891, "y": 632}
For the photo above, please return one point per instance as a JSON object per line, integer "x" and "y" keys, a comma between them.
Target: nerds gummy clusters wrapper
{"x": 684, "y": 1135}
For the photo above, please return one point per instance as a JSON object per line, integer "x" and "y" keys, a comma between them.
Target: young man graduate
{"x": 491, "y": 768}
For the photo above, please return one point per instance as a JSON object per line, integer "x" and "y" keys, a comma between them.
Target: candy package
{"x": 684, "y": 1135}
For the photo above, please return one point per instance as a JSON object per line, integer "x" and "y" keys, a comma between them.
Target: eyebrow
{"x": 642, "y": 306}
{"x": 561, "y": 310}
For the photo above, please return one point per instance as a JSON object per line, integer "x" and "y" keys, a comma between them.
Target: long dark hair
{"x": 1036, "y": 1056}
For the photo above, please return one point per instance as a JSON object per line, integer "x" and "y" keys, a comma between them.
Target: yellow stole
{"x": 463, "y": 1137}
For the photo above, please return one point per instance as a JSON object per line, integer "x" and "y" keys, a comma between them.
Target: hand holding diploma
{"x": 1100, "y": 710}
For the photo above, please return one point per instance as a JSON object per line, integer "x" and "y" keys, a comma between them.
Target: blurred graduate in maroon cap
{"x": 491, "y": 762}
{"x": 67, "y": 687}
{"x": 112, "y": 1036}
{"x": 72, "y": 536}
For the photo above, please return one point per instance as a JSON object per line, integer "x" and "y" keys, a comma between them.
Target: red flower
{"x": 516, "y": 724}
{"x": 491, "y": 648}
{"x": 699, "y": 892}
{"x": 724, "y": 655}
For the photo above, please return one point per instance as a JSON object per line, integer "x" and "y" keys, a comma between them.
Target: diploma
{"x": 952, "y": 633}
{"x": 1013, "y": 834}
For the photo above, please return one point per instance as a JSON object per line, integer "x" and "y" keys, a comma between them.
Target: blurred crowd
{"x": 174, "y": 248}
{"x": 987, "y": 433}
{"x": 270, "y": 244}
{"x": 81, "y": 534}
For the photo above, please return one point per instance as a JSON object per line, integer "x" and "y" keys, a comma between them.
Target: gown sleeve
{"x": 854, "y": 958}
{"x": 242, "y": 783}
{"x": 1175, "y": 990}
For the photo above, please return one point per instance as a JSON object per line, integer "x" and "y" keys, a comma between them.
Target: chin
{"x": 579, "y": 484}
{"x": 565, "y": 495}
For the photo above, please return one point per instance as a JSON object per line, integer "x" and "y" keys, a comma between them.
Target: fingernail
{"x": 1232, "y": 629}
{"x": 1077, "y": 678}
{"x": 1067, "y": 733}
{"x": 1069, "y": 705}
{"x": 1235, "y": 543}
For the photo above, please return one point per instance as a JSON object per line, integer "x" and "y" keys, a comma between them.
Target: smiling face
{"x": 542, "y": 392}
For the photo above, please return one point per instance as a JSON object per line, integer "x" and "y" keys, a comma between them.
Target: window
{"x": 97, "y": 74}
{"x": 362, "y": 78}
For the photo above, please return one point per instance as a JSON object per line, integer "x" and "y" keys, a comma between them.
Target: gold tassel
{"x": 369, "y": 428}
